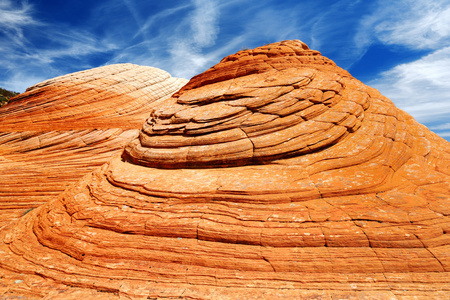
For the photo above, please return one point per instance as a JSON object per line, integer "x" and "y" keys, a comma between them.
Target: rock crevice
{"x": 273, "y": 174}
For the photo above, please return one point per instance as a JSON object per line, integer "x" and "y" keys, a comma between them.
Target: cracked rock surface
{"x": 274, "y": 174}
{"x": 65, "y": 127}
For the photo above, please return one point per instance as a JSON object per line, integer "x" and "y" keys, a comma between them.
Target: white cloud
{"x": 173, "y": 39}
{"x": 416, "y": 24}
{"x": 24, "y": 67}
{"x": 25, "y": 63}
{"x": 157, "y": 18}
{"x": 421, "y": 87}
{"x": 20, "y": 81}
{"x": 14, "y": 17}
{"x": 445, "y": 134}
{"x": 204, "y": 22}
{"x": 445, "y": 126}
{"x": 332, "y": 29}
{"x": 186, "y": 46}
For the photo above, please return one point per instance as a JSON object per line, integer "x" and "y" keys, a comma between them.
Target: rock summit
{"x": 274, "y": 174}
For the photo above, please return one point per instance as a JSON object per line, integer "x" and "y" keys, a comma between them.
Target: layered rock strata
{"x": 65, "y": 127}
{"x": 274, "y": 174}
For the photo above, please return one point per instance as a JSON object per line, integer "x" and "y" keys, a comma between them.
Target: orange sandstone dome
{"x": 65, "y": 127}
{"x": 113, "y": 96}
{"x": 274, "y": 174}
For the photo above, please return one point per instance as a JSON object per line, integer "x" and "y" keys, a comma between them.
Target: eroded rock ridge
{"x": 65, "y": 127}
{"x": 273, "y": 174}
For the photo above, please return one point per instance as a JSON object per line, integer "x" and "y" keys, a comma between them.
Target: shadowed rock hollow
{"x": 273, "y": 174}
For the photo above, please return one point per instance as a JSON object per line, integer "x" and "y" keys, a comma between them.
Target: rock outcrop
{"x": 274, "y": 174}
{"x": 63, "y": 128}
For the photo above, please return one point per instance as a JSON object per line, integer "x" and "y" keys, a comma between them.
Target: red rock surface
{"x": 65, "y": 127}
{"x": 275, "y": 174}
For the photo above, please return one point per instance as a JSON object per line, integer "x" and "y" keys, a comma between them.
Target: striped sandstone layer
{"x": 274, "y": 174}
{"x": 65, "y": 127}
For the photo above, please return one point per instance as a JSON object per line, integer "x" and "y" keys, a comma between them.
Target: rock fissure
{"x": 273, "y": 172}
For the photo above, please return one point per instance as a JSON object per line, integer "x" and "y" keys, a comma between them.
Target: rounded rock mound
{"x": 65, "y": 127}
{"x": 273, "y": 174}
{"x": 113, "y": 96}
{"x": 256, "y": 106}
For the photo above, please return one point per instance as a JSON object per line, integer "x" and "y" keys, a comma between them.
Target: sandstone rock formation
{"x": 63, "y": 128}
{"x": 274, "y": 174}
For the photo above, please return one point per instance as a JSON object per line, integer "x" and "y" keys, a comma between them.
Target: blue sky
{"x": 401, "y": 47}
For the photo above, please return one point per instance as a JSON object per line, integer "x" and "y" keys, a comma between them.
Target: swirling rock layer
{"x": 63, "y": 128}
{"x": 275, "y": 174}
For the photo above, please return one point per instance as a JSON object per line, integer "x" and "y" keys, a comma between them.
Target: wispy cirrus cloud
{"x": 60, "y": 47}
{"x": 187, "y": 37}
{"x": 420, "y": 87}
{"x": 14, "y": 17}
{"x": 413, "y": 24}
{"x": 442, "y": 129}
{"x": 184, "y": 38}
{"x": 416, "y": 24}
{"x": 206, "y": 31}
{"x": 186, "y": 46}
{"x": 338, "y": 34}
{"x": 173, "y": 39}
{"x": 204, "y": 22}
{"x": 445, "y": 126}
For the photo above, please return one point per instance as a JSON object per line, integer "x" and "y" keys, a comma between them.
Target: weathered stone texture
{"x": 65, "y": 127}
{"x": 274, "y": 174}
